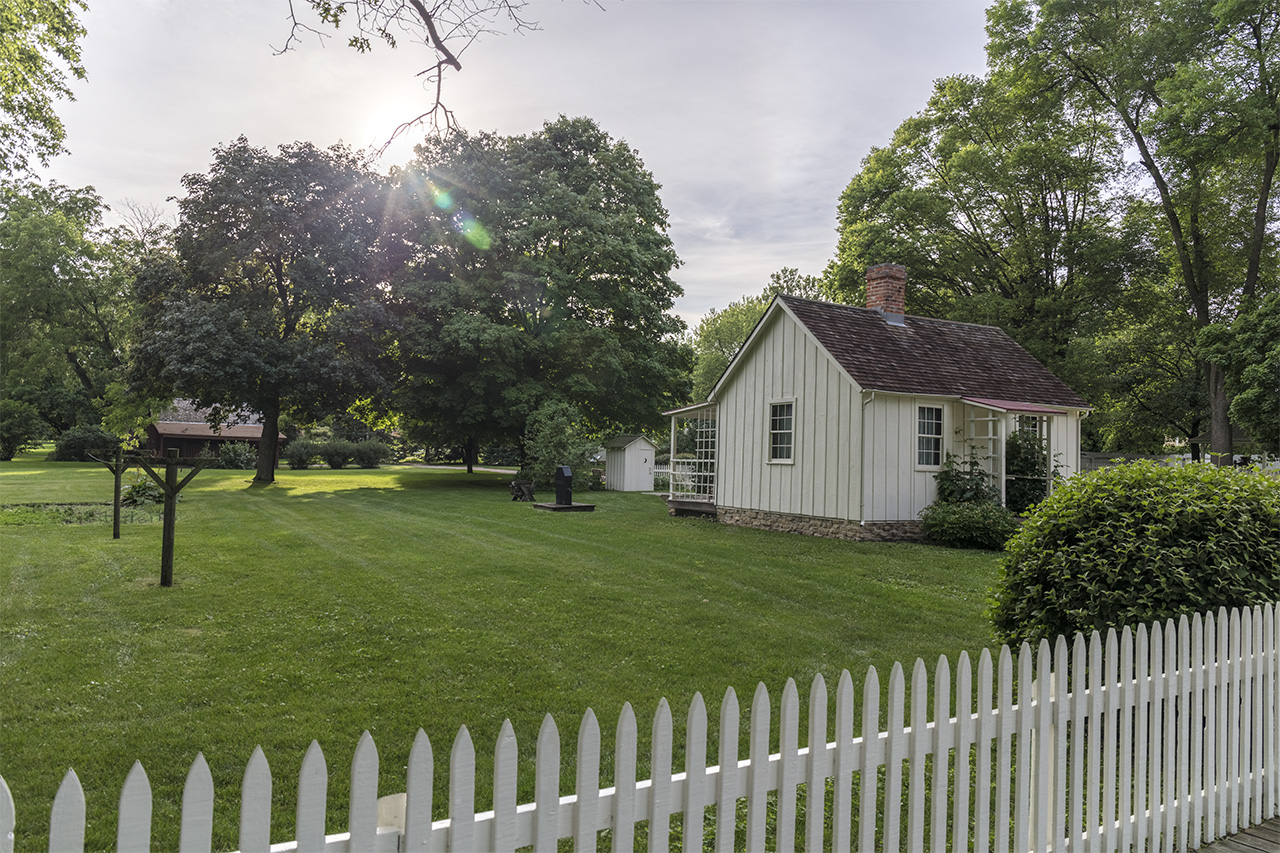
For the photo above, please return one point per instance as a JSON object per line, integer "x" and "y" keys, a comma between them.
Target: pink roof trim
{"x": 1013, "y": 406}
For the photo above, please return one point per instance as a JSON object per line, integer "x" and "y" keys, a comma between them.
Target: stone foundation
{"x": 831, "y": 528}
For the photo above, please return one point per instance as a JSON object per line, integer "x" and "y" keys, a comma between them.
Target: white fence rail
{"x": 1155, "y": 740}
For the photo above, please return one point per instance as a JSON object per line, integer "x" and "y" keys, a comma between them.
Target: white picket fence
{"x": 1154, "y": 740}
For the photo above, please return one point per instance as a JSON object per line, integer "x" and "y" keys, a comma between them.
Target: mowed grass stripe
{"x": 401, "y": 598}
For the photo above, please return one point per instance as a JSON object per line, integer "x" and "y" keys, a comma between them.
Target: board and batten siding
{"x": 895, "y": 486}
{"x": 784, "y": 364}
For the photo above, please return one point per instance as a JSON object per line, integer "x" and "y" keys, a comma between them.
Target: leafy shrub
{"x": 20, "y": 427}
{"x": 1140, "y": 543}
{"x": 370, "y": 454}
{"x": 77, "y": 443}
{"x": 969, "y": 524}
{"x": 142, "y": 490}
{"x": 964, "y": 480}
{"x": 299, "y": 453}
{"x": 238, "y": 455}
{"x": 553, "y": 438}
{"x": 337, "y": 453}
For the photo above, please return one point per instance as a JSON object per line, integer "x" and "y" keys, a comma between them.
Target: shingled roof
{"x": 927, "y": 356}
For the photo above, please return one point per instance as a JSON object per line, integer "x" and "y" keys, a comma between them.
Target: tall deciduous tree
{"x": 996, "y": 203}
{"x": 538, "y": 270}
{"x": 274, "y": 301}
{"x": 1249, "y": 351}
{"x": 39, "y": 47}
{"x": 64, "y": 309}
{"x": 1194, "y": 88}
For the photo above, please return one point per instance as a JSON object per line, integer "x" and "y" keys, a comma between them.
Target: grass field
{"x": 403, "y": 598}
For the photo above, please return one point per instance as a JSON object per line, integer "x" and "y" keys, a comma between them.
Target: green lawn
{"x": 388, "y": 600}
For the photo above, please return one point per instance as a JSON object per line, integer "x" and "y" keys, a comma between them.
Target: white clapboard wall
{"x": 1158, "y": 739}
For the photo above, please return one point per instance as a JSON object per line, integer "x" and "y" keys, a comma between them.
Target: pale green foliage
{"x": 556, "y": 437}
{"x": 994, "y": 201}
{"x": 39, "y": 47}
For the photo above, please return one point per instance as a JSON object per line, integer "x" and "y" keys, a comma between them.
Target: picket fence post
{"x": 1160, "y": 738}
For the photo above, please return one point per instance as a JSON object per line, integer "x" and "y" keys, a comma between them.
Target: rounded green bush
{"x": 77, "y": 443}
{"x": 969, "y": 524}
{"x": 336, "y": 454}
{"x": 370, "y": 454}
{"x": 1136, "y": 544}
{"x": 299, "y": 453}
{"x": 238, "y": 455}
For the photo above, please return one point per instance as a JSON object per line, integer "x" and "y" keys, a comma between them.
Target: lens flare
{"x": 442, "y": 198}
{"x": 474, "y": 232}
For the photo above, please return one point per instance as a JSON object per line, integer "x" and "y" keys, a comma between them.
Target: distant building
{"x": 628, "y": 463}
{"x": 187, "y": 428}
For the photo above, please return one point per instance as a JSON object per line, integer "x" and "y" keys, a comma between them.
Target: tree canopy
{"x": 1194, "y": 89}
{"x": 64, "y": 302}
{"x": 39, "y": 48}
{"x": 273, "y": 303}
{"x": 537, "y": 270}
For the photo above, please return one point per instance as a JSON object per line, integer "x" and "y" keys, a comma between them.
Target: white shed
{"x": 628, "y": 463}
{"x": 833, "y": 420}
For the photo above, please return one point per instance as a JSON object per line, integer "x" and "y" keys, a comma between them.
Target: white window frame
{"x": 770, "y": 432}
{"x": 918, "y": 449}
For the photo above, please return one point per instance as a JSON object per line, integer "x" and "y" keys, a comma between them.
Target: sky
{"x": 753, "y": 115}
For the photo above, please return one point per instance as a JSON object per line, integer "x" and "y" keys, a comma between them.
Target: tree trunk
{"x": 1220, "y": 444}
{"x": 269, "y": 444}
{"x": 470, "y": 452}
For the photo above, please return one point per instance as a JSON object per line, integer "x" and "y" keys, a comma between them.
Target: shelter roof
{"x": 928, "y": 356}
{"x": 182, "y": 429}
{"x": 621, "y": 441}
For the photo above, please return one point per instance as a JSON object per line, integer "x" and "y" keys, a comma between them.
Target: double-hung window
{"x": 929, "y": 436}
{"x": 782, "y": 432}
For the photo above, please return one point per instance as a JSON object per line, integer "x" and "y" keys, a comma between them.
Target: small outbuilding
{"x": 628, "y": 463}
{"x": 834, "y": 420}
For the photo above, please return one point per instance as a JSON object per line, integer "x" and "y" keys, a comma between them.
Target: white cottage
{"x": 833, "y": 419}
{"x": 628, "y": 463}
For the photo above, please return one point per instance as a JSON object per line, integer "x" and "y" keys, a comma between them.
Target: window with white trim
{"x": 929, "y": 436}
{"x": 781, "y": 431}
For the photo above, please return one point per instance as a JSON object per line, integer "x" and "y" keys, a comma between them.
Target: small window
{"x": 781, "y": 431}
{"x": 929, "y": 437}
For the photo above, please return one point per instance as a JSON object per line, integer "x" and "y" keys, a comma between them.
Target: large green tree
{"x": 537, "y": 270}
{"x": 64, "y": 307}
{"x": 274, "y": 302}
{"x": 39, "y": 48}
{"x": 996, "y": 203}
{"x": 1249, "y": 351}
{"x": 1194, "y": 89}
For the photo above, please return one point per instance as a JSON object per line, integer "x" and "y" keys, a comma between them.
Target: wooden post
{"x": 170, "y": 515}
{"x": 116, "y": 468}
{"x": 171, "y": 486}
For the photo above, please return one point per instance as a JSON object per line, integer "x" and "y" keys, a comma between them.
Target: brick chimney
{"x": 887, "y": 291}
